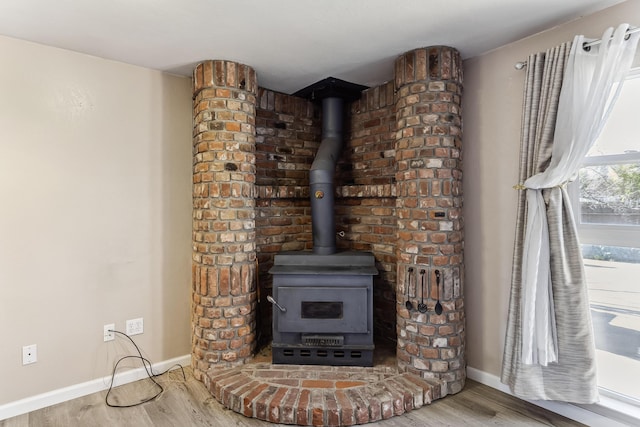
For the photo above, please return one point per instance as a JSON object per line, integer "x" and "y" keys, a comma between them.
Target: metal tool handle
{"x": 422, "y": 307}
{"x": 274, "y": 302}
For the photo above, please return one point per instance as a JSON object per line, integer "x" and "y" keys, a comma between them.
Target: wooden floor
{"x": 188, "y": 403}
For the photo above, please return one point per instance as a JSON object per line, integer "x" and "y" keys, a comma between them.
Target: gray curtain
{"x": 573, "y": 377}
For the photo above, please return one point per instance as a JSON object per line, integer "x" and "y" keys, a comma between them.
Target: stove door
{"x": 322, "y": 309}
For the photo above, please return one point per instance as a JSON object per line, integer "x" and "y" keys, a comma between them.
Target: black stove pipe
{"x": 321, "y": 177}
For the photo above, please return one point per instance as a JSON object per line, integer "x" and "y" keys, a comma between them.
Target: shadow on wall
{"x": 174, "y": 146}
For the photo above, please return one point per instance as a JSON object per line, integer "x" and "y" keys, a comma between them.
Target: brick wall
{"x": 223, "y": 288}
{"x": 369, "y": 154}
{"x": 365, "y": 204}
{"x": 288, "y": 133}
{"x": 398, "y": 195}
{"x": 287, "y": 138}
{"x": 429, "y": 203}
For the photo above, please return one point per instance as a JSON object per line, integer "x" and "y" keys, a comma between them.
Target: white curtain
{"x": 592, "y": 81}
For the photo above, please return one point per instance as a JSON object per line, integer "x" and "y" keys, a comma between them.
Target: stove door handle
{"x": 274, "y": 302}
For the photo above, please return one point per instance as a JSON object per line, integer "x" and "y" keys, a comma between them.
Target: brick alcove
{"x": 398, "y": 195}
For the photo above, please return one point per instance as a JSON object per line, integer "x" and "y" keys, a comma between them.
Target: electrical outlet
{"x": 29, "y": 354}
{"x": 135, "y": 326}
{"x": 109, "y": 335}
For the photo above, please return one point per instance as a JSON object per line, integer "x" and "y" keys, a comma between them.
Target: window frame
{"x": 605, "y": 234}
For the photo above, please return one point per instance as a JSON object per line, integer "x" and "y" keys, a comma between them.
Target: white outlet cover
{"x": 109, "y": 336}
{"x": 29, "y": 354}
{"x": 135, "y": 326}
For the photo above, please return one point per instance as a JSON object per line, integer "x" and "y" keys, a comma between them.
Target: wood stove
{"x": 323, "y": 301}
{"x": 323, "y": 308}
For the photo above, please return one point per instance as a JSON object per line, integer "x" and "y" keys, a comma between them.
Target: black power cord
{"x": 148, "y": 369}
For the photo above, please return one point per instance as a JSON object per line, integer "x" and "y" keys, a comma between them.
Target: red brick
{"x": 275, "y": 404}
{"x": 318, "y": 408}
{"x": 360, "y": 405}
{"x": 302, "y": 409}
{"x": 349, "y": 384}
{"x": 430, "y": 353}
{"x": 226, "y": 386}
{"x": 332, "y": 410}
{"x": 248, "y": 399}
{"x": 407, "y": 397}
{"x": 346, "y": 408}
{"x": 317, "y": 384}
{"x": 261, "y": 402}
{"x": 397, "y": 397}
{"x": 375, "y": 408}
{"x": 232, "y": 126}
{"x": 288, "y": 408}
{"x": 224, "y": 378}
{"x": 232, "y": 398}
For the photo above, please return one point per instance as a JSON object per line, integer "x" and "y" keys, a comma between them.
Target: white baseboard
{"x": 616, "y": 414}
{"x": 43, "y": 400}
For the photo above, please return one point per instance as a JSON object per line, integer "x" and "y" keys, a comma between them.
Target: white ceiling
{"x": 290, "y": 43}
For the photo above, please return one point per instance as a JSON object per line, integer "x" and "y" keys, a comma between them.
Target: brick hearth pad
{"x": 319, "y": 395}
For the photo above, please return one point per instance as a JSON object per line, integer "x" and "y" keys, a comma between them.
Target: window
{"x": 606, "y": 198}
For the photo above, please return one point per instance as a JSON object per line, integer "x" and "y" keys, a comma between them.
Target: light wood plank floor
{"x": 188, "y": 403}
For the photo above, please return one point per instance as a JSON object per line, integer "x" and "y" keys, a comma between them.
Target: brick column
{"x": 224, "y": 252}
{"x": 429, "y": 202}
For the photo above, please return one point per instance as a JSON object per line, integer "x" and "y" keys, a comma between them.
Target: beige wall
{"x": 491, "y": 109}
{"x": 95, "y": 207}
